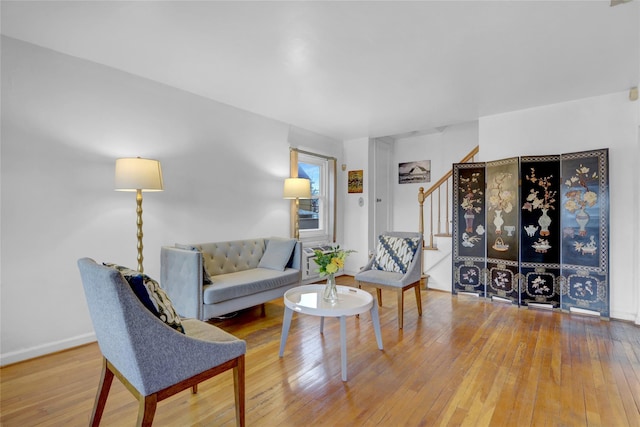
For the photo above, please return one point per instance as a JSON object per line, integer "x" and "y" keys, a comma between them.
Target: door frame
{"x": 382, "y": 154}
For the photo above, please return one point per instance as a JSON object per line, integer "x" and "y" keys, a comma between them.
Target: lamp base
{"x": 139, "y": 229}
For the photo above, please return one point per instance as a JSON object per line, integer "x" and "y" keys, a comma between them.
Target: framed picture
{"x": 355, "y": 181}
{"x": 414, "y": 172}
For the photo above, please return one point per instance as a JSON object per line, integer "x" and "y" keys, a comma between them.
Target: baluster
{"x": 431, "y": 222}
{"x": 447, "y": 207}
{"x": 439, "y": 209}
{"x": 422, "y": 195}
{"x": 421, "y": 217}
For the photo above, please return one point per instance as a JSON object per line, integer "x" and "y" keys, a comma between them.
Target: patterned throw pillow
{"x": 151, "y": 295}
{"x": 395, "y": 253}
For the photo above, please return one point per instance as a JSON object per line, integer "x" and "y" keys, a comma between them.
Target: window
{"x": 311, "y": 212}
{"x": 316, "y": 214}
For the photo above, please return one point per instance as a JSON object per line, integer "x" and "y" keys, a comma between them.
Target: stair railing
{"x": 428, "y": 195}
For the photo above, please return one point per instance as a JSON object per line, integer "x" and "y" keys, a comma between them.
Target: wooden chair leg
{"x": 379, "y": 295}
{"x": 238, "y": 388}
{"x": 106, "y": 378}
{"x": 400, "y": 308}
{"x": 418, "y": 299}
{"x": 147, "y": 410}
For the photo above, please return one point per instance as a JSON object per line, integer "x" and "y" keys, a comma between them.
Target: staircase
{"x": 437, "y": 244}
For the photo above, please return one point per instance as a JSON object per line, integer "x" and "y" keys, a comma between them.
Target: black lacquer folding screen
{"x": 503, "y": 224}
{"x": 469, "y": 234}
{"x": 534, "y": 230}
{"x": 585, "y": 231}
{"x": 540, "y": 232}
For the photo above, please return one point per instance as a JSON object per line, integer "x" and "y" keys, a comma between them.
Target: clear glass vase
{"x": 330, "y": 290}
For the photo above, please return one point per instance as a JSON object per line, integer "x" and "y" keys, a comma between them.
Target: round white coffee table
{"x": 307, "y": 299}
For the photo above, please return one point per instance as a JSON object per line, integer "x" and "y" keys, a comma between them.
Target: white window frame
{"x": 325, "y": 233}
{"x": 322, "y": 232}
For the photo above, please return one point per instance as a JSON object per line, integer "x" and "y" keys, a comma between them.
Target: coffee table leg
{"x": 343, "y": 346}
{"x": 376, "y": 324}
{"x": 286, "y": 322}
{"x": 322, "y": 324}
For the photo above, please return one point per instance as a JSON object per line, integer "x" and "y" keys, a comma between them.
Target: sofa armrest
{"x": 296, "y": 259}
{"x": 181, "y": 277}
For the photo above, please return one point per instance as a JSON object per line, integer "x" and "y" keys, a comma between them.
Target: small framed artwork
{"x": 414, "y": 172}
{"x": 355, "y": 181}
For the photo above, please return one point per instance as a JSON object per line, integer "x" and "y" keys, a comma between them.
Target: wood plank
{"x": 466, "y": 361}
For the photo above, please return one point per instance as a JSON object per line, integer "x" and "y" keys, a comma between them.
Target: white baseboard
{"x": 619, "y": 315}
{"x": 41, "y": 350}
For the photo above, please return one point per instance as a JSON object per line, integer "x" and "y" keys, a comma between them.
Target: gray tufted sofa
{"x": 208, "y": 280}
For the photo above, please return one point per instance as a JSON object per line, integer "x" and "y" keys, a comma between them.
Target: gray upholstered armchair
{"x": 152, "y": 359}
{"x": 396, "y": 265}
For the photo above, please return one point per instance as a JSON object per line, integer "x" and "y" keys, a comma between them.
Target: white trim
{"x": 583, "y": 311}
{"x": 325, "y": 198}
{"x": 41, "y": 350}
{"x": 623, "y": 316}
{"x": 541, "y": 306}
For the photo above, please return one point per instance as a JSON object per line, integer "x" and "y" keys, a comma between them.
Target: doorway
{"x": 382, "y": 194}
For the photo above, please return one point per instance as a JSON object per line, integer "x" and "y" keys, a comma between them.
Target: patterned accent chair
{"x": 396, "y": 265}
{"x": 153, "y": 360}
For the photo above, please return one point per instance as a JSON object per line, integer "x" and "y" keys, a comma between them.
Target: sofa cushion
{"x": 389, "y": 278}
{"x": 277, "y": 254}
{"x": 394, "y": 253}
{"x": 247, "y": 282}
{"x": 232, "y": 256}
{"x": 151, "y": 295}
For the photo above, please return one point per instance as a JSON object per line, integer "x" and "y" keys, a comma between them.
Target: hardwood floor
{"x": 467, "y": 361}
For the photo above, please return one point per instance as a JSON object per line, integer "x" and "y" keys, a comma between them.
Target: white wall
{"x": 609, "y": 121}
{"x": 443, "y": 149}
{"x": 64, "y": 122}
{"x": 356, "y": 217}
{"x": 636, "y": 236}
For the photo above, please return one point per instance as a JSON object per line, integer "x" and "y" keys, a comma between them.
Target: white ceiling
{"x": 353, "y": 69}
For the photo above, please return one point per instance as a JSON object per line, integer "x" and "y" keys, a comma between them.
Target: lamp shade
{"x": 297, "y": 188}
{"x": 134, "y": 173}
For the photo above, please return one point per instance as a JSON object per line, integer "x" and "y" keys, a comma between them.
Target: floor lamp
{"x": 136, "y": 174}
{"x": 297, "y": 188}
